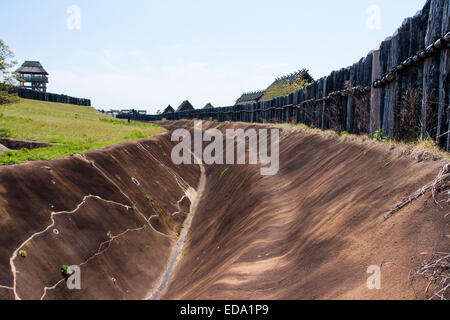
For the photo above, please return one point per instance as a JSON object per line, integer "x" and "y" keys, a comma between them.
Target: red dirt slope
{"x": 90, "y": 212}
{"x": 311, "y": 231}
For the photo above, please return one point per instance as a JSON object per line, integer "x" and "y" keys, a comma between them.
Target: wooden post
{"x": 447, "y": 147}
{"x": 349, "y": 107}
{"x": 430, "y": 72}
{"x": 390, "y": 100}
{"x": 375, "y": 94}
{"x": 322, "y": 111}
{"x": 444, "y": 91}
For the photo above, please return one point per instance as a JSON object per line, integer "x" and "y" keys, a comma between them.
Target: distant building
{"x": 33, "y": 76}
{"x": 186, "y": 105}
{"x": 114, "y": 112}
{"x": 169, "y": 109}
{"x": 208, "y": 106}
{"x": 250, "y": 97}
{"x": 142, "y": 112}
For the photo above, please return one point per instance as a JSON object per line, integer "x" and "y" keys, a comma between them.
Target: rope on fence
{"x": 432, "y": 49}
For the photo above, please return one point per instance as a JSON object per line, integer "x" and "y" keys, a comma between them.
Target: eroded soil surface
{"x": 141, "y": 227}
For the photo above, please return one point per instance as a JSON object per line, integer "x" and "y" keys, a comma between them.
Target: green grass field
{"x": 75, "y": 128}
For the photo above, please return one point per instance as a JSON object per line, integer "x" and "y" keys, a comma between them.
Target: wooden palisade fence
{"x": 402, "y": 87}
{"x": 52, "y": 97}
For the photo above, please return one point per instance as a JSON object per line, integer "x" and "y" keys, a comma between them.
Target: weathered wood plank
{"x": 390, "y": 98}
{"x": 375, "y": 95}
{"x": 431, "y": 72}
{"x": 324, "y": 105}
{"x": 444, "y": 84}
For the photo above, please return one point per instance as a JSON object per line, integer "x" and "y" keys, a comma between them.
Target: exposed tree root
{"x": 437, "y": 271}
{"x": 442, "y": 182}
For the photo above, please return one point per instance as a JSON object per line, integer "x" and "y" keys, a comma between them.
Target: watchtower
{"x": 33, "y": 76}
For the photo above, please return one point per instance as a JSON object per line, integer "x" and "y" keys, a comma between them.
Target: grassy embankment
{"x": 75, "y": 128}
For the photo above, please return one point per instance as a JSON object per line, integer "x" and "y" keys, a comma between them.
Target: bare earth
{"x": 309, "y": 232}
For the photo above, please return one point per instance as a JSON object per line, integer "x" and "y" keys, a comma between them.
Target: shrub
{"x": 7, "y": 98}
{"x": 379, "y": 136}
{"x": 65, "y": 270}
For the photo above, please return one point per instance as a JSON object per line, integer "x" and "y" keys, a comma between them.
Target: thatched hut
{"x": 208, "y": 106}
{"x": 33, "y": 76}
{"x": 169, "y": 109}
{"x": 250, "y": 97}
{"x": 186, "y": 105}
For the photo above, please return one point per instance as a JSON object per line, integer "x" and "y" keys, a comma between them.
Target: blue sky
{"x": 147, "y": 54}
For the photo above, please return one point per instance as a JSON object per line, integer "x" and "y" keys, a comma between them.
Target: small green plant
{"x": 218, "y": 127}
{"x": 23, "y": 253}
{"x": 133, "y": 206}
{"x": 379, "y": 136}
{"x": 223, "y": 172}
{"x": 344, "y": 133}
{"x": 65, "y": 270}
{"x": 147, "y": 247}
{"x": 182, "y": 226}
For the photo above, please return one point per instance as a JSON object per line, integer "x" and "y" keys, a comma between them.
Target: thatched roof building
{"x": 32, "y": 67}
{"x": 208, "y": 106}
{"x": 33, "y": 73}
{"x": 186, "y": 105}
{"x": 169, "y": 109}
{"x": 250, "y": 97}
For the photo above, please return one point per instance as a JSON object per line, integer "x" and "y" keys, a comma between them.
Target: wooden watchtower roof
{"x": 32, "y": 75}
{"x": 32, "y": 67}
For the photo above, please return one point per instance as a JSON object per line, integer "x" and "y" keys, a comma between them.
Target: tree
{"x": 7, "y": 78}
{"x": 6, "y": 63}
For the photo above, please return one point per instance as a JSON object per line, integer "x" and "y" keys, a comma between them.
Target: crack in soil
{"x": 175, "y": 256}
{"x": 99, "y": 252}
{"x": 189, "y": 192}
{"x": 52, "y": 218}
